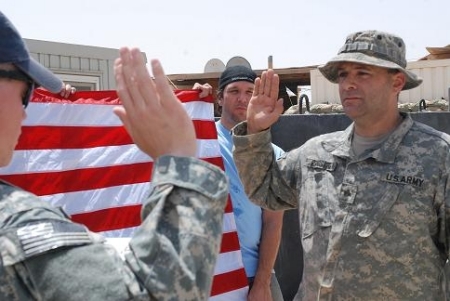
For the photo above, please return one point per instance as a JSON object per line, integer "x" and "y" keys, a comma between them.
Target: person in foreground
{"x": 373, "y": 199}
{"x": 45, "y": 256}
{"x": 259, "y": 230}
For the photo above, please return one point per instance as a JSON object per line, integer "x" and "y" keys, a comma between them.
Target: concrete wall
{"x": 290, "y": 132}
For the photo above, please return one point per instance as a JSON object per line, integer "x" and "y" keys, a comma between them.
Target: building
{"x": 83, "y": 67}
{"x": 91, "y": 68}
{"x": 433, "y": 68}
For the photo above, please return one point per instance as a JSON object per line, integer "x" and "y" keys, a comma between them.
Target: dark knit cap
{"x": 235, "y": 74}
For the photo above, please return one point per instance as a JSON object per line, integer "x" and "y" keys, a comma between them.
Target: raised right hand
{"x": 151, "y": 113}
{"x": 264, "y": 107}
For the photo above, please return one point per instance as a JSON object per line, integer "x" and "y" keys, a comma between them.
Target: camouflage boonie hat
{"x": 372, "y": 48}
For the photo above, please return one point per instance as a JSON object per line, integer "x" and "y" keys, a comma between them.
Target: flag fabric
{"x": 75, "y": 153}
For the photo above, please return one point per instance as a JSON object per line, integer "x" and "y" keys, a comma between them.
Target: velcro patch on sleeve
{"x": 39, "y": 237}
{"x": 34, "y": 238}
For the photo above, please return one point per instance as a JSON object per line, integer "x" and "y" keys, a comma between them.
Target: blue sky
{"x": 184, "y": 35}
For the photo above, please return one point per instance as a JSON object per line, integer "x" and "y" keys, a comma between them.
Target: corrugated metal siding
{"x": 435, "y": 75}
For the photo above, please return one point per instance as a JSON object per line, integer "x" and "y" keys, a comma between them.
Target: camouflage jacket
{"x": 44, "y": 256}
{"x": 375, "y": 227}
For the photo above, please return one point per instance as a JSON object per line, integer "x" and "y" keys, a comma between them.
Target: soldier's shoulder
{"x": 16, "y": 202}
{"x": 425, "y": 131}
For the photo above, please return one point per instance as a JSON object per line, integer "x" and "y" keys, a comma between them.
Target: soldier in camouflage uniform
{"x": 45, "y": 256}
{"x": 373, "y": 199}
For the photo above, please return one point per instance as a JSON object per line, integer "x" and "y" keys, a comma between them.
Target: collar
{"x": 340, "y": 145}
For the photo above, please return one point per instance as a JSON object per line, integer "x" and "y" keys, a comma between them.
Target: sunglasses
{"x": 19, "y": 75}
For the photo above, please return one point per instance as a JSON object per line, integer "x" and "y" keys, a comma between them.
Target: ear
{"x": 220, "y": 99}
{"x": 398, "y": 82}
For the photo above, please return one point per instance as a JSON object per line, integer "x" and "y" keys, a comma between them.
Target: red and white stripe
{"x": 76, "y": 154}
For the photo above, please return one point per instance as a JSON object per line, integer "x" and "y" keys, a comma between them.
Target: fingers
{"x": 279, "y": 106}
{"x": 205, "y": 89}
{"x": 162, "y": 86}
{"x": 257, "y": 86}
{"x": 274, "y": 85}
{"x": 267, "y": 84}
{"x": 262, "y": 83}
{"x": 136, "y": 79}
{"x": 147, "y": 90}
{"x": 153, "y": 116}
{"x": 122, "y": 114}
{"x": 64, "y": 93}
{"x": 67, "y": 90}
{"x": 121, "y": 86}
{"x": 197, "y": 86}
{"x": 271, "y": 83}
{"x": 264, "y": 106}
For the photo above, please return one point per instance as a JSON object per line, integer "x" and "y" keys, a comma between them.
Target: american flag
{"x": 75, "y": 153}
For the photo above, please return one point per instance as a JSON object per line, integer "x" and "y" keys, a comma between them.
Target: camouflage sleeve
{"x": 259, "y": 171}
{"x": 45, "y": 256}
{"x": 174, "y": 252}
{"x": 442, "y": 203}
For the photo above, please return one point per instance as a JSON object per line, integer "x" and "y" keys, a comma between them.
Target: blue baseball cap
{"x": 13, "y": 50}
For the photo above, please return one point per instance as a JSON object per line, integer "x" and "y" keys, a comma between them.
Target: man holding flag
{"x": 45, "y": 256}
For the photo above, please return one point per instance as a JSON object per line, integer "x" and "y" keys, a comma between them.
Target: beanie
{"x": 234, "y": 74}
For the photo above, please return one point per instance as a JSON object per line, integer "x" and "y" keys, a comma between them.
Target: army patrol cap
{"x": 13, "y": 50}
{"x": 374, "y": 48}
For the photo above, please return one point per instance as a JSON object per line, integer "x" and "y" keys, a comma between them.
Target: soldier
{"x": 373, "y": 199}
{"x": 45, "y": 256}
